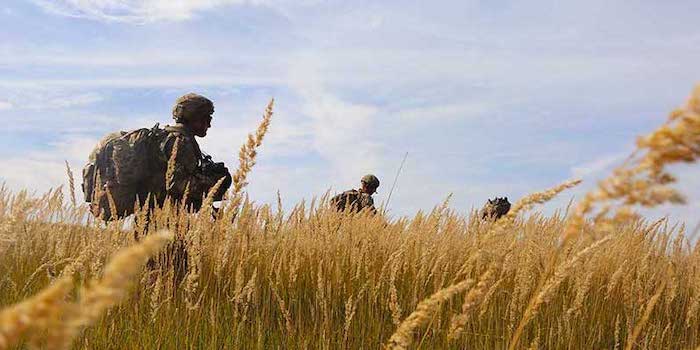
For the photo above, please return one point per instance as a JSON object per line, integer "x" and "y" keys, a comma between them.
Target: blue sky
{"x": 488, "y": 97}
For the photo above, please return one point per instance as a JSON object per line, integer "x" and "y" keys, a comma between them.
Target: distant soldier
{"x": 494, "y": 209}
{"x": 127, "y": 167}
{"x": 357, "y": 200}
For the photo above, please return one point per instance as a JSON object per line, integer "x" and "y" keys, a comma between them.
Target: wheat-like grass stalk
{"x": 471, "y": 300}
{"x": 645, "y": 316}
{"x": 530, "y": 200}
{"x": 170, "y": 170}
{"x": 645, "y": 181}
{"x": 338, "y": 282}
{"x": 112, "y": 288}
{"x": 289, "y": 326}
{"x": 209, "y": 199}
{"x": 112, "y": 204}
{"x": 35, "y": 313}
{"x": 403, "y": 336}
{"x": 71, "y": 184}
{"x": 545, "y": 294}
{"x": 248, "y": 151}
{"x": 394, "y": 305}
{"x": 194, "y": 253}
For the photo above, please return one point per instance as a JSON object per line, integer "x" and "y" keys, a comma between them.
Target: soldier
{"x": 128, "y": 166}
{"x": 357, "y": 200}
{"x": 494, "y": 209}
{"x": 194, "y": 172}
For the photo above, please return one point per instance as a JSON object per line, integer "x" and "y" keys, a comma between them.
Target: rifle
{"x": 216, "y": 170}
{"x": 398, "y": 172}
{"x": 211, "y": 168}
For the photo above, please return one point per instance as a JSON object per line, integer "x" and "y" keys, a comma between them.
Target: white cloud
{"x": 70, "y": 101}
{"x": 33, "y": 56}
{"x": 352, "y": 67}
{"x": 39, "y": 99}
{"x": 597, "y": 166}
{"x": 341, "y": 130}
{"x": 42, "y": 170}
{"x": 440, "y": 112}
{"x": 137, "y": 11}
{"x": 147, "y": 80}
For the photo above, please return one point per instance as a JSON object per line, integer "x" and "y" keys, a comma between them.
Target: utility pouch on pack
{"x": 117, "y": 173}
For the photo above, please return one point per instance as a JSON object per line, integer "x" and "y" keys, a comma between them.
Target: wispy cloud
{"x": 39, "y": 99}
{"x": 41, "y": 170}
{"x": 83, "y": 99}
{"x": 146, "y": 81}
{"x": 597, "y": 166}
{"x": 133, "y": 11}
{"x": 490, "y": 98}
{"x": 342, "y": 130}
{"x": 146, "y": 11}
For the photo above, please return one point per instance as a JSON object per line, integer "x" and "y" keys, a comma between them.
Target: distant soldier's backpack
{"x": 119, "y": 169}
{"x": 345, "y": 199}
{"x": 495, "y": 208}
{"x": 353, "y": 200}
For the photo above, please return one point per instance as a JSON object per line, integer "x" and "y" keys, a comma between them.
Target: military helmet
{"x": 370, "y": 180}
{"x": 191, "y": 106}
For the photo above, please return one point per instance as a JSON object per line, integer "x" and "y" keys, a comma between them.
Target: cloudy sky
{"x": 488, "y": 98}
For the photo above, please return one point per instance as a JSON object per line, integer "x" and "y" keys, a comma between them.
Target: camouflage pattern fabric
{"x": 188, "y": 169}
{"x": 371, "y": 181}
{"x": 127, "y": 167}
{"x": 495, "y": 208}
{"x": 115, "y": 176}
{"x": 353, "y": 200}
{"x": 192, "y": 106}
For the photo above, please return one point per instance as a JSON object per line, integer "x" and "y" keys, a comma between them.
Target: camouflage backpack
{"x": 495, "y": 208}
{"x": 119, "y": 169}
{"x": 353, "y": 199}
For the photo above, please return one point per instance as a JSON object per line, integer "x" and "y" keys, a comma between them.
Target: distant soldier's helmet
{"x": 191, "y": 106}
{"x": 370, "y": 180}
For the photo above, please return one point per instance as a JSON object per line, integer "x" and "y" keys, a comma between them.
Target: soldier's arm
{"x": 186, "y": 172}
{"x": 370, "y": 205}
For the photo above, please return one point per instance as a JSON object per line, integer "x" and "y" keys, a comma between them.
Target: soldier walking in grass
{"x": 150, "y": 165}
{"x": 358, "y": 200}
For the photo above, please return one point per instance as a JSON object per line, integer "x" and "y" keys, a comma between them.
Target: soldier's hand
{"x": 228, "y": 180}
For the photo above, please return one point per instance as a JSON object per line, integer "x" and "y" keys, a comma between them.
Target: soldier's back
{"x": 354, "y": 200}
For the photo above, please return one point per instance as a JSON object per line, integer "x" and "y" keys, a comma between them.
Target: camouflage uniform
{"x": 358, "y": 200}
{"x": 355, "y": 200}
{"x": 188, "y": 175}
{"x": 188, "y": 169}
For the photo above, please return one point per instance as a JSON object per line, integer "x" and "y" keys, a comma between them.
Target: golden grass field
{"x": 593, "y": 276}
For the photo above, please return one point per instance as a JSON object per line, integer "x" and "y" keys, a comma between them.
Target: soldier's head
{"x": 195, "y": 112}
{"x": 369, "y": 184}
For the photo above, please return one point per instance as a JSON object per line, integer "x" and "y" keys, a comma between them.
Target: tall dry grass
{"x": 261, "y": 278}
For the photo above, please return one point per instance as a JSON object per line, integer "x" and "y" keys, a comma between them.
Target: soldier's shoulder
{"x": 175, "y": 133}
{"x": 345, "y": 193}
{"x": 178, "y": 131}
